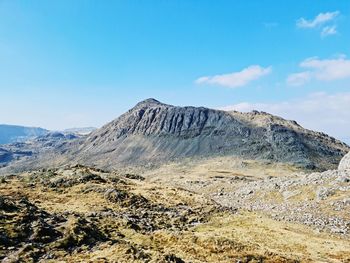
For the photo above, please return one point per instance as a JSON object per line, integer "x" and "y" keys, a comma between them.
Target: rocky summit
{"x": 154, "y": 132}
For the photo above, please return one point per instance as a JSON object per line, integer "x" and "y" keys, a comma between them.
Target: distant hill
{"x": 82, "y": 130}
{"x": 32, "y": 152}
{"x": 14, "y": 133}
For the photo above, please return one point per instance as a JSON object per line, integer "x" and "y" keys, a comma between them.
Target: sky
{"x": 83, "y": 63}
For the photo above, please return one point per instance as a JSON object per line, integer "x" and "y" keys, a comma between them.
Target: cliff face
{"x": 152, "y": 118}
{"x": 155, "y": 132}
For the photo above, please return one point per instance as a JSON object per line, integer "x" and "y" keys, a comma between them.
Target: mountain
{"x": 154, "y": 132}
{"x": 14, "y": 133}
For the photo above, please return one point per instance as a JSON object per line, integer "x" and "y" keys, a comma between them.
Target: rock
{"x": 338, "y": 230}
{"x": 43, "y": 232}
{"x": 138, "y": 254}
{"x": 79, "y": 231}
{"x": 323, "y": 192}
{"x": 134, "y": 177}
{"x": 173, "y": 259}
{"x": 2, "y": 180}
{"x": 345, "y": 163}
{"x": 74, "y": 179}
{"x": 289, "y": 194}
{"x": 116, "y": 196}
{"x": 344, "y": 178}
{"x": 346, "y": 201}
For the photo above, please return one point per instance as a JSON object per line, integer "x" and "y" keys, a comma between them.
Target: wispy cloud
{"x": 334, "y": 109}
{"x": 236, "y": 79}
{"x": 320, "y": 19}
{"x": 321, "y": 69}
{"x": 328, "y": 31}
{"x": 298, "y": 79}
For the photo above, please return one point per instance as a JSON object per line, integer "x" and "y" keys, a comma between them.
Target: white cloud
{"x": 236, "y": 79}
{"x": 328, "y": 69}
{"x": 298, "y": 79}
{"x": 320, "y": 19}
{"x": 328, "y": 31}
{"x": 322, "y": 70}
{"x": 318, "y": 111}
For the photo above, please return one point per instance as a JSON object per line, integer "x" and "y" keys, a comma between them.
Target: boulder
{"x": 345, "y": 163}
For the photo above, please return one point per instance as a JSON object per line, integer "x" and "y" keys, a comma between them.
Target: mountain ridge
{"x": 153, "y": 132}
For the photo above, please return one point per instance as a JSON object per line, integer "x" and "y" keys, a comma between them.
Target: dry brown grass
{"x": 224, "y": 237}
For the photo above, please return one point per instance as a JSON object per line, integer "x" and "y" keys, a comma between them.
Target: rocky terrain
{"x": 319, "y": 200}
{"x": 81, "y": 214}
{"x": 177, "y": 184}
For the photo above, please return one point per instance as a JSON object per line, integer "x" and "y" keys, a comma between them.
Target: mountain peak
{"x": 149, "y": 102}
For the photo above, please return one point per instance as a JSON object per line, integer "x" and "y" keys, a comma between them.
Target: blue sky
{"x": 82, "y": 63}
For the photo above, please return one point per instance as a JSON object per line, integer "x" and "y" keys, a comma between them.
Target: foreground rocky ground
{"x": 81, "y": 214}
{"x": 320, "y": 200}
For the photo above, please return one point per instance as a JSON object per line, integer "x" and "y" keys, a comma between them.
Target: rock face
{"x": 153, "y": 132}
{"x": 345, "y": 163}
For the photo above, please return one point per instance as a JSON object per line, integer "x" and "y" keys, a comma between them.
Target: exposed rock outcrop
{"x": 345, "y": 163}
